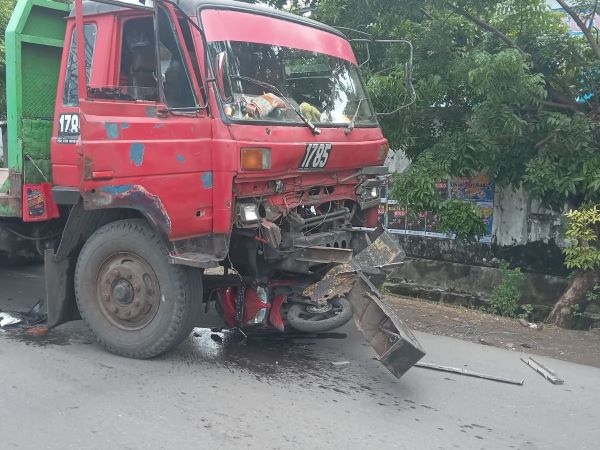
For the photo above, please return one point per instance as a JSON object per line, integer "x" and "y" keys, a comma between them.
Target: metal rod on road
{"x": 468, "y": 373}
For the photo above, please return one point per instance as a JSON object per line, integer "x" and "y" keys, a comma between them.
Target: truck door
{"x": 144, "y": 139}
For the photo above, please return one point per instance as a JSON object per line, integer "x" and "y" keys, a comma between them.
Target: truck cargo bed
{"x": 34, "y": 41}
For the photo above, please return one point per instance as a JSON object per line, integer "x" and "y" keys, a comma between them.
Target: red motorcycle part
{"x": 255, "y": 310}
{"x": 227, "y": 298}
{"x": 275, "y": 318}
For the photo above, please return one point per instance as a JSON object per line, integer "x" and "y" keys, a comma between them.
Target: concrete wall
{"x": 520, "y": 219}
{"x": 469, "y": 285}
{"x": 524, "y": 233}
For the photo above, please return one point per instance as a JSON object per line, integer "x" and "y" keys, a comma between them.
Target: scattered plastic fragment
{"x": 7, "y": 320}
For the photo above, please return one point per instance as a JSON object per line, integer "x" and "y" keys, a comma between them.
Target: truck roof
{"x": 191, "y": 7}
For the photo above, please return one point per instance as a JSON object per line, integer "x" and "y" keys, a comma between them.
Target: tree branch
{"x": 568, "y": 102}
{"x": 545, "y": 141}
{"x": 486, "y": 26}
{"x": 592, "y": 15}
{"x": 560, "y": 105}
{"x": 585, "y": 30}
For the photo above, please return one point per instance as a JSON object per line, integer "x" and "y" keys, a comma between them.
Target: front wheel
{"x": 133, "y": 300}
{"x": 314, "y": 319}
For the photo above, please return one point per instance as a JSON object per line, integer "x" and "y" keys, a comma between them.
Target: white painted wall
{"x": 519, "y": 219}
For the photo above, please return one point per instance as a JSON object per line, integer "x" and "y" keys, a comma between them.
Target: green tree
{"x": 502, "y": 88}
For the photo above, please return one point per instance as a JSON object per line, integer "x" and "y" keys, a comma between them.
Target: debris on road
{"x": 32, "y": 317}
{"x": 7, "y": 320}
{"x": 340, "y": 363}
{"x": 468, "y": 373}
{"x": 535, "y": 326}
{"x": 543, "y": 371}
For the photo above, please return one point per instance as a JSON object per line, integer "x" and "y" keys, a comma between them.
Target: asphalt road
{"x": 62, "y": 391}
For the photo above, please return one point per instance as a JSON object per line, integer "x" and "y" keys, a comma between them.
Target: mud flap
{"x": 378, "y": 321}
{"x": 60, "y": 295}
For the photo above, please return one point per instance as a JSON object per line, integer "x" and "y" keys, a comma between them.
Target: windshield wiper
{"x": 350, "y": 126}
{"x": 316, "y": 131}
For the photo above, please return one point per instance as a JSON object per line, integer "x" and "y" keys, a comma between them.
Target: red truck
{"x": 219, "y": 153}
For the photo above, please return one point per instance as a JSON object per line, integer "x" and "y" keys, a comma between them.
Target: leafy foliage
{"x": 502, "y": 88}
{"x": 583, "y": 251}
{"x": 416, "y": 185}
{"x": 507, "y": 295}
{"x": 461, "y": 218}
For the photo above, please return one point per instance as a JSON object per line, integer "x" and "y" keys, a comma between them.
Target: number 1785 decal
{"x": 315, "y": 156}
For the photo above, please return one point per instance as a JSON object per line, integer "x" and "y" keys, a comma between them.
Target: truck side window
{"x": 138, "y": 60}
{"x": 176, "y": 82}
{"x": 70, "y": 92}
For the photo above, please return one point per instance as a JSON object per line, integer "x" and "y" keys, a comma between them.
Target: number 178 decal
{"x": 315, "y": 156}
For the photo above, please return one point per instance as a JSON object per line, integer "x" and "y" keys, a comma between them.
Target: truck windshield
{"x": 327, "y": 90}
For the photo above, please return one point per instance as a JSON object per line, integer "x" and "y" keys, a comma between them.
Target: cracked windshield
{"x": 271, "y": 83}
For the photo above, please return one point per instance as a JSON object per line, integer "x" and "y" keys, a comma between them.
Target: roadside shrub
{"x": 506, "y": 295}
{"x": 461, "y": 218}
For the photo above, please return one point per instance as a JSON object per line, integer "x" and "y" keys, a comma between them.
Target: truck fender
{"x": 59, "y": 265}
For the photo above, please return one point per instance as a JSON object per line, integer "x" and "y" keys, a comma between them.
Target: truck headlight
{"x": 248, "y": 213}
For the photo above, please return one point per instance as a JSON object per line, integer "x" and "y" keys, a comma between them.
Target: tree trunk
{"x": 562, "y": 311}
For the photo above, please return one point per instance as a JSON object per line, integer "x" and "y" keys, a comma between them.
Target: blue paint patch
{"x": 119, "y": 189}
{"x": 180, "y": 158}
{"x": 124, "y": 126}
{"x": 136, "y": 153}
{"x": 112, "y": 130}
{"x": 207, "y": 180}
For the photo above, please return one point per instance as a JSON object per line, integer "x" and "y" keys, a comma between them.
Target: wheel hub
{"x": 128, "y": 291}
{"x": 122, "y": 292}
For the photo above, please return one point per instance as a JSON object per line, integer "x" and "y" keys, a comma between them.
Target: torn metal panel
{"x": 337, "y": 282}
{"x": 383, "y": 251}
{"x": 396, "y": 346}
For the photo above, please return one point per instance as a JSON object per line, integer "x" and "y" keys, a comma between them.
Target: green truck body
{"x": 34, "y": 41}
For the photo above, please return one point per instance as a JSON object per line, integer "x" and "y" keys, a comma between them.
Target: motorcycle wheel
{"x": 312, "y": 319}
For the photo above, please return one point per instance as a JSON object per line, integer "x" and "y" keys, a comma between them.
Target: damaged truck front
{"x": 220, "y": 154}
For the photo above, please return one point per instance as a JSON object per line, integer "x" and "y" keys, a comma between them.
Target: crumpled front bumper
{"x": 359, "y": 282}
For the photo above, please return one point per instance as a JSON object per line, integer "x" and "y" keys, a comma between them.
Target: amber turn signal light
{"x": 256, "y": 158}
{"x": 383, "y": 151}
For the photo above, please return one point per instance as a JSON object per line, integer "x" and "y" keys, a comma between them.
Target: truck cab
{"x": 217, "y": 152}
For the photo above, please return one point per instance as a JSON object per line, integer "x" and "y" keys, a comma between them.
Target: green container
{"x": 34, "y": 41}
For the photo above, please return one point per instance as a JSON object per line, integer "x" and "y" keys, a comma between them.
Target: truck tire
{"x": 132, "y": 299}
{"x": 309, "y": 319}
